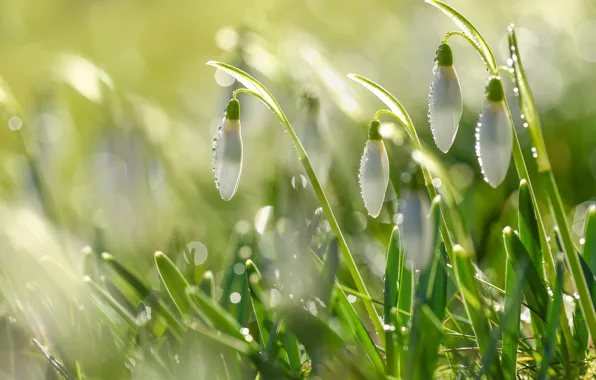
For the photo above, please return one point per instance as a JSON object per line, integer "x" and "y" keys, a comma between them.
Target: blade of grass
{"x": 174, "y": 282}
{"x": 554, "y": 312}
{"x": 145, "y": 294}
{"x": 392, "y": 270}
{"x": 474, "y": 305}
{"x": 110, "y": 301}
{"x": 589, "y": 246}
{"x": 511, "y": 317}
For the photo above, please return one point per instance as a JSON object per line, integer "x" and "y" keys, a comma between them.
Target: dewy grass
{"x": 441, "y": 317}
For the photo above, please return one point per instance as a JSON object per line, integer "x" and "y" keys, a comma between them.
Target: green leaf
{"x": 554, "y": 312}
{"x": 145, "y": 294}
{"x": 392, "y": 270}
{"x": 589, "y": 247}
{"x": 469, "y": 30}
{"x": 534, "y": 288}
{"x": 213, "y": 312}
{"x": 174, "y": 282}
{"x": 328, "y": 273}
{"x": 109, "y": 300}
{"x": 474, "y": 305}
{"x": 511, "y": 317}
{"x": 263, "y": 316}
{"x": 429, "y": 309}
{"x": 526, "y": 102}
{"x": 528, "y": 227}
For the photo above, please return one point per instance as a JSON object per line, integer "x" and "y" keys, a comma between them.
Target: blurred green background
{"x": 118, "y": 112}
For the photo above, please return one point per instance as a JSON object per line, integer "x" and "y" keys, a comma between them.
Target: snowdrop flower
{"x": 494, "y": 136}
{"x": 374, "y": 171}
{"x": 444, "y": 101}
{"x": 227, "y": 152}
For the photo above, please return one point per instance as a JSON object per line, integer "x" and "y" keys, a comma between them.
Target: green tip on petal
{"x": 373, "y": 130}
{"x": 494, "y": 90}
{"x": 444, "y": 55}
{"x": 233, "y": 110}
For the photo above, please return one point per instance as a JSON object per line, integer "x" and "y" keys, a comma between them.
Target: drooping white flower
{"x": 416, "y": 230}
{"x": 227, "y": 152}
{"x": 494, "y": 136}
{"x": 445, "y": 103}
{"x": 374, "y": 171}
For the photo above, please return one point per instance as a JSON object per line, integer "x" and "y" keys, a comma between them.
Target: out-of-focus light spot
{"x": 15, "y": 123}
{"x": 262, "y": 218}
{"x": 461, "y": 175}
{"x": 274, "y": 298}
{"x": 260, "y": 58}
{"x": 352, "y": 298}
{"x": 398, "y": 218}
{"x": 585, "y": 40}
{"x": 226, "y": 38}
{"x": 244, "y": 331}
{"x": 245, "y": 252}
{"x": 405, "y": 177}
{"x": 582, "y": 241}
{"x": 223, "y": 79}
{"x": 242, "y": 227}
{"x": 83, "y": 76}
{"x": 239, "y": 268}
{"x": 235, "y": 297}
{"x": 437, "y": 182}
{"x": 198, "y": 252}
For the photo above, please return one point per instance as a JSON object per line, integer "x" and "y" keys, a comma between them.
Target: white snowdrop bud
{"x": 494, "y": 138}
{"x": 227, "y": 152}
{"x": 445, "y": 103}
{"x": 374, "y": 171}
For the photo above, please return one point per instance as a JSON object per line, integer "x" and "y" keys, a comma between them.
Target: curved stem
{"x": 478, "y": 49}
{"x": 325, "y": 205}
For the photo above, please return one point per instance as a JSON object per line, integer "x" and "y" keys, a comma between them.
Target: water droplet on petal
{"x": 374, "y": 176}
{"x": 445, "y": 107}
{"x": 494, "y": 142}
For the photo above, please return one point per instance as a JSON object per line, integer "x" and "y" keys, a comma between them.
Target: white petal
{"x": 416, "y": 230}
{"x": 444, "y": 106}
{"x": 227, "y": 158}
{"x": 374, "y": 176}
{"x": 494, "y": 142}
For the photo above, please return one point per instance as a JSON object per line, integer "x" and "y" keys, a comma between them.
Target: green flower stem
{"x": 447, "y": 223}
{"x": 345, "y": 250}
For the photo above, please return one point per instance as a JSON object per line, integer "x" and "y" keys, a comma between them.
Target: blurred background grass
{"x": 119, "y": 110}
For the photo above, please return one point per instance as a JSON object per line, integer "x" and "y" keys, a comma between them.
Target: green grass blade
{"x": 263, "y": 317}
{"x": 53, "y": 361}
{"x": 390, "y": 301}
{"x": 213, "y": 312}
{"x": 469, "y": 30}
{"x": 145, "y": 294}
{"x": 589, "y": 247}
{"x": 475, "y": 307}
{"x": 174, "y": 282}
{"x": 528, "y": 227}
{"x": 330, "y": 266}
{"x": 110, "y": 301}
{"x": 554, "y": 312}
{"x": 526, "y": 103}
{"x": 290, "y": 343}
{"x": 511, "y": 317}
{"x": 405, "y": 297}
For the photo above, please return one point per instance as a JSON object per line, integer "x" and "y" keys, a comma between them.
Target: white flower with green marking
{"x": 374, "y": 171}
{"x": 494, "y": 136}
{"x": 445, "y": 103}
{"x": 227, "y": 152}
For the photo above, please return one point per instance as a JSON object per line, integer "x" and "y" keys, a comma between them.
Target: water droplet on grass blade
{"x": 445, "y": 103}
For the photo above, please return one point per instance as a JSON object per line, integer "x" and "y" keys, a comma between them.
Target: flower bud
{"x": 374, "y": 171}
{"x": 445, "y": 103}
{"x": 494, "y": 138}
{"x": 227, "y": 152}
